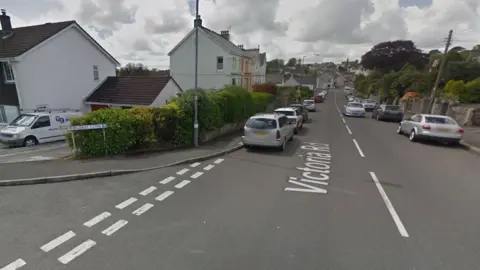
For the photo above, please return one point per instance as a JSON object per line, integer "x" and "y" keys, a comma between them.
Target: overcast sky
{"x": 145, "y": 30}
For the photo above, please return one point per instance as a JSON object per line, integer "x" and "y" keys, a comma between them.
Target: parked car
{"x": 369, "y": 104}
{"x": 302, "y": 110}
{"x": 310, "y": 105}
{"x": 431, "y": 127}
{"x": 268, "y": 130}
{"x": 354, "y": 109}
{"x": 318, "y": 99}
{"x": 323, "y": 93}
{"x": 388, "y": 112}
{"x": 350, "y": 98}
{"x": 294, "y": 117}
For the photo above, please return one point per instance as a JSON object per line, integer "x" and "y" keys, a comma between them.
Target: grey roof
{"x": 227, "y": 44}
{"x": 274, "y": 78}
{"x": 306, "y": 80}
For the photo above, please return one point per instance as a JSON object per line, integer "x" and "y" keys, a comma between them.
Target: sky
{"x": 144, "y": 31}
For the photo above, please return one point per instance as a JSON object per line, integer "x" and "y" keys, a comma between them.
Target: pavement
{"x": 472, "y": 136}
{"x": 51, "y": 151}
{"x": 348, "y": 193}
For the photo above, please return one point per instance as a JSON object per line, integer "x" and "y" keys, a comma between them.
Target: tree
{"x": 132, "y": 69}
{"x": 473, "y": 90}
{"x": 432, "y": 52}
{"x": 342, "y": 69}
{"x": 291, "y": 62}
{"x": 275, "y": 65}
{"x": 464, "y": 71}
{"x": 476, "y": 48}
{"x": 457, "y": 49}
{"x": 455, "y": 90}
{"x": 393, "y": 55}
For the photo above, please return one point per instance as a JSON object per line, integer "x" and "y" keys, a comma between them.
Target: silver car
{"x": 431, "y": 127}
{"x": 354, "y": 109}
{"x": 269, "y": 130}
{"x": 369, "y": 104}
{"x": 310, "y": 105}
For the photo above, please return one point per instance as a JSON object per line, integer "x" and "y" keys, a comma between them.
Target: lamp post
{"x": 195, "y": 121}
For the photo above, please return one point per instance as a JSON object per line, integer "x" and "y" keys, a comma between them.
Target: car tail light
{"x": 278, "y": 135}
{"x": 461, "y": 130}
{"x": 426, "y": 126}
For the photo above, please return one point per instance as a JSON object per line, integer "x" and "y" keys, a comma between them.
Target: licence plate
{"x": 444, "y": 129}
{"x": 259, "y": 133}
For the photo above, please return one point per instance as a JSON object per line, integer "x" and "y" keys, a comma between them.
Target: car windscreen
{"x": 439, "y": 120}
{"x": 354, "y": 105}
{"x": 308, "y": 102}
{"x": 393, "y": 108}
{"x": 262, "y": 123}
{"x": 368, "y": 101}
{"x": 287, "y": 113}
{"x": 24, "y": 120}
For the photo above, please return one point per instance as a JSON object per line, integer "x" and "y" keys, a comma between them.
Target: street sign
{"x": 88, "y": 127}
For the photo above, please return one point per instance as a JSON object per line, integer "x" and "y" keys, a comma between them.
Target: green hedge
{"x": 167, "y": 126}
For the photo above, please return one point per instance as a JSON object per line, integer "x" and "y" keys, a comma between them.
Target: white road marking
{"x": 182, "y": 184}
{"x": 164, "y": 195}
{"x": 167, "y": 180}
{"x": 142, "y": 209}
{"x": 126, "y": 203}
{"x": 218, "y": 161}
{"x": 183, "y": 171}
{"x": 77, "y": 251}
{"x": 97, "y": 219}
{"x": 348, "y": 129}
{"x": 148, "y": 191}
{"x": 196, "y": 175}
{"x": 343, "y": 120}
{"x": 195, "y": 164}
{"x": 115, "y": 227}
{"x": 57, "y": 241}
{"x": 358, "y": 148}
{"x": 391, "y": 209}
{"x": 14, "y": 265}
{"x": 209, "y": 167}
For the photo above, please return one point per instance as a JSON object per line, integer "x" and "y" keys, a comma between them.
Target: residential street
{"x": 375, "y": 201}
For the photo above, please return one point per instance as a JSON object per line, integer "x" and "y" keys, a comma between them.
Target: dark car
{"x": 302, "y": 110}
{"x": 388, "y": 112}
{"x": 318, "y": 99}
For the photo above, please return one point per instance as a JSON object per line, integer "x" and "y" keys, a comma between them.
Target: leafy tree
{"x": 476, "y": 48}
{"x": 275, "y": 64}
{"x": 457, "y": 49}
{"x": 432, "y": 52}
{"x": 393, "y": 55}
{"x": 342, "y": 69}
{"x": 132, "y": 69}
{"x": 455, "y": 90}
{"x": 473, "y": 90}
{"x": 465, "y": 71}
{"x": 291, "y": 62}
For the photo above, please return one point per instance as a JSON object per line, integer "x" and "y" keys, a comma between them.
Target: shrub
{"x": 269, "y": 88}
{"x": 261, "y": 101}
{"x": 473, "y": 90}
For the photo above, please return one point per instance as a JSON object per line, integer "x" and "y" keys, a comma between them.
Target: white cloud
{"x": 145, "y": 30}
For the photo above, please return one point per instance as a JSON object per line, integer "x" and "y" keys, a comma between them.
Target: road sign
{"x": 88, "y": 127}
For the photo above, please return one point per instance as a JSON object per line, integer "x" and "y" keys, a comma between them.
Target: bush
{"x": 269, "y": 88}
{"x": 473, "y": 90}
{"x": 261, "y": 101}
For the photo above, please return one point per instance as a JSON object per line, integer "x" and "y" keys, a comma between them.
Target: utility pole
{"x": 440, "y": 71}
{"x": 195, "y": 121}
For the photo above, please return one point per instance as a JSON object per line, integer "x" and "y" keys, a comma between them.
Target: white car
{"x": 294, "y": 117}
{"x": 369, "y": 104}
{"x": 310, "y": 105}
{"x": 354, "y": 109}
{"x": 431, "y": 127}
{"x": 268, "y": 130}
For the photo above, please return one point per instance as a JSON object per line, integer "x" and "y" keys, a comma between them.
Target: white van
{"x": 30, "y": 129}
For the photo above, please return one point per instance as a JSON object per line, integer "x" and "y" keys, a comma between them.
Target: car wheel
{"x": 399, "y": 129}
{"x": 282, "y": 147}
{"x": 291, "y": 138}
{"x": 413, "y": 136}
{"x": 30, "y": 141}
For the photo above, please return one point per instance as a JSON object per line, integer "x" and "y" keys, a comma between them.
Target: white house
{"x": 48, "y": 66}
{"x": 260, "y": 65}
{"x": 220, "y": 61}
{"x": 325, "y": 81}
{"x": 131, "y": 91}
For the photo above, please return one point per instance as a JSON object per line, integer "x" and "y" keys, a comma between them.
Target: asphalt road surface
{"x": 346, "y": 194}
{"x": 40, "y": 152}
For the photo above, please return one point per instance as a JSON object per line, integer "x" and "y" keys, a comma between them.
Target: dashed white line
{"x": 195, "y": 164}
{"x": 196, "y": 175}
{"x": 97, "y": 219}
{"x": 167, "y": 180}
{"x": 391, "y": 209}
{"x": 209, "y": 167}
{"x": 14, "y": 265}
{"x": 57, "y": 241}
{"x": 115, "y": 227}
{"x": 182, "y": 184}
{"x": 148, "y": 191}
{"x": 144, "y": 208}
{"x": 126, "y": 203}
{"x": 218, "y": 161}
{"x": 183, "y": 171}
{"x": 164, "y": 195}
{"x": 77, "y": 251}
{"x": 348, "y": 129}
{"x": 343, "y": 120}
{"x": 358, "y": 148}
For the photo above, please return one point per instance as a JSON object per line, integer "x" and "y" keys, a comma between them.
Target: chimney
{"x": 5, "y": 21}
{"x": 225, "y": 34}
{"x": 240, "y": 46}
{"x": 197, "y": 22}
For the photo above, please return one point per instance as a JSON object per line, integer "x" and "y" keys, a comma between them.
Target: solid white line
{"x": 182, "y": 184}
{"x": 148, "y": 191}
{"x": 183, "y": 171}
{"x": 167, "y": 180}
{"x": 14, "y": 265}
{"x": 196, "y": 175}
{"x": 209, "y": 167}
{"x": 164, "y": 195}
{"x": 391, "y": 209}
{"x": 343, "y": 120}
{"x": 77, "y": 251}
{"x": 115, "y": 227}
{"x": 57, "y": 241}
{"x": 358, "y": 148}
{"x": 142, "y": 209}
{"x": 195, "y": 164}
{"x": 218, "y": 161}
{"x": 348, "y": 129}
{"x": 97, "y": 219}
{"x": 126, "y": 203}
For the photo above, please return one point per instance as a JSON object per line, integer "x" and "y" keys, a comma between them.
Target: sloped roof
{"x": 131, "y": 90}
{"x": 227, "y": 44}
{"x": 306, "y": 80}
{"x": 274, "y": 78}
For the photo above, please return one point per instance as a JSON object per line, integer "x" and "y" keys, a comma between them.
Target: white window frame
{"x": 5, "y": 66}
{"x": 96, "y": 73}
{"x": 217, "y": 63}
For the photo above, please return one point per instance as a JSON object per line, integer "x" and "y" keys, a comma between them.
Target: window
{"x": 43, "y": 121}
{"x": 8, "y": 73}
{"x": 439, "y": 120}
{"x": 282, "y": 121}
{"x": 234, "y": 81}
{"x": 262, "y": 123}
{"x": 219, "y": 62}
{"x": 96, "y": 75}
{"x": 417, "y": 118}
{"x": 287, "y": 113}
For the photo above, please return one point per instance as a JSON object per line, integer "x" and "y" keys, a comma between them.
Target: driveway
{"x": 40, "y": 152}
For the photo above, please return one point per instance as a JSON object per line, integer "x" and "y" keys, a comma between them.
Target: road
{"x": 373, "y": 201}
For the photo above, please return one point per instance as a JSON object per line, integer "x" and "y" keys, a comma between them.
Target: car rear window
{"x": 308, "y": 102}
{"x": 287, "y": 113}
{"x": 368, "y": 101}
{"x": 355, "y": 105}
{"x": 439, "y": 120}
{"x": 393, "y": 108}
{"x": 262, "y": 123}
